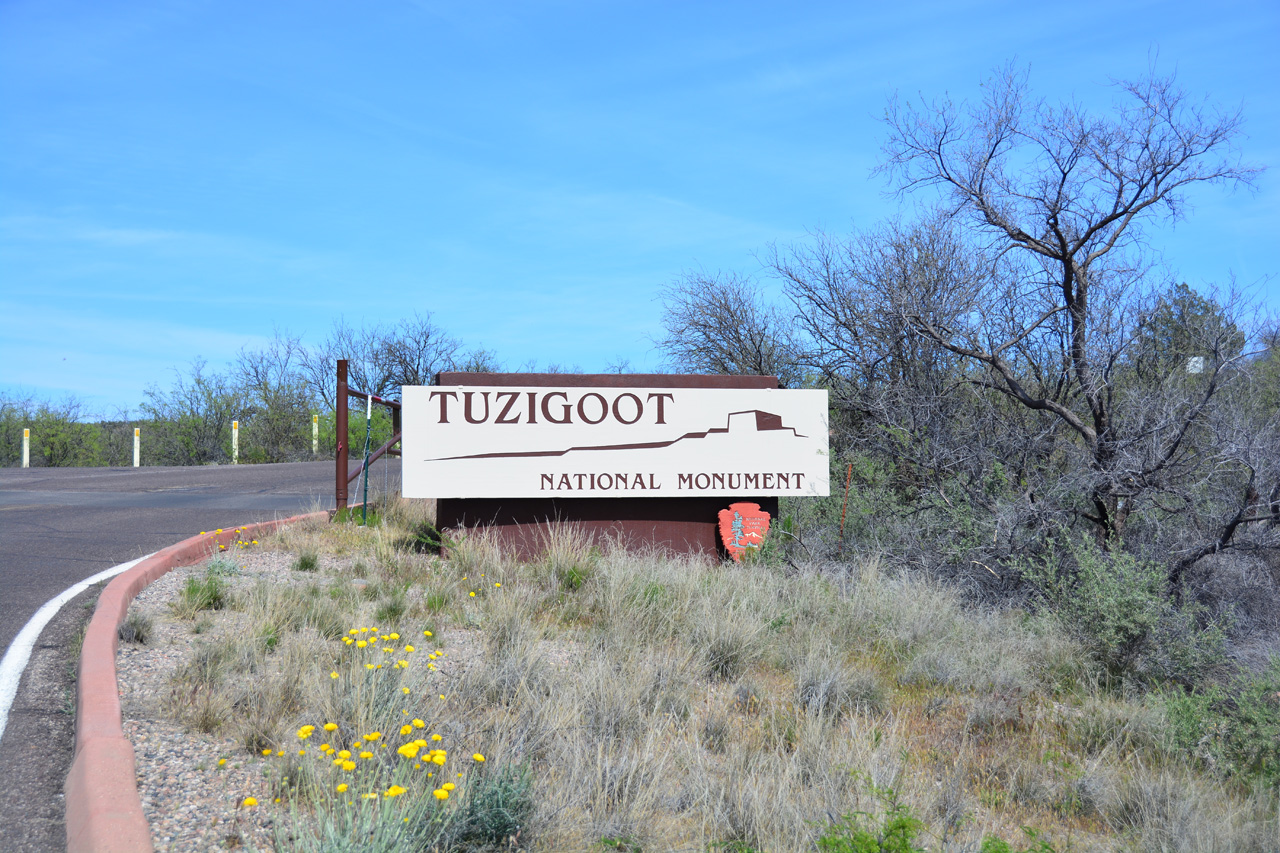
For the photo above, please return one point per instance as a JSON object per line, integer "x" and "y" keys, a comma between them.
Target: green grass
{"x": 201, "y": 593}
{"x": 306, "y": 562}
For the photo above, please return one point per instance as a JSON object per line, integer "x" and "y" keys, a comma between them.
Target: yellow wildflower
{"x": 441, "y": 794}
{"x": 249, "y": 802}
{"x": 342, "y": 789}
{"x": 394, "y": 791}
{"x": 478, "y": 758}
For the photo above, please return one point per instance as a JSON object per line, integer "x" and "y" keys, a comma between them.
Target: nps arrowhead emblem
{"x": 743, "y": 526}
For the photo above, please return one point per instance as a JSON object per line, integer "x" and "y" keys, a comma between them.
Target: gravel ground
{"x": 191, "y": 800}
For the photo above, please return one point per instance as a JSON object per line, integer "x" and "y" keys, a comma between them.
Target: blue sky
{"x": 179, "y": 179}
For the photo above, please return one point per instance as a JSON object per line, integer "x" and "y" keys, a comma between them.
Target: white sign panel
{"x": 549, "y": 442}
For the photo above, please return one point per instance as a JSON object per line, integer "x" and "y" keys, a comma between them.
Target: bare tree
{"x": 909, "y": 414}
{"x": 414, "y": 350}
{"x": 381, "y": 359}
{"x": 360, "y": 347}
{"x": 1056, "y": 200}
{"x": 278, "y": 405}
{"x": 721, "y": 324}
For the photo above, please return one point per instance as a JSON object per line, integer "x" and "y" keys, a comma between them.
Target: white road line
{"x": 19, "y": 651}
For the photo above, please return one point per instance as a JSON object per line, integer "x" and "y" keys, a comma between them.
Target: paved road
{"x": 59, "y": 526}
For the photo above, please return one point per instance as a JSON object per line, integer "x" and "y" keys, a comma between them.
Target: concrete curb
{"x": 104, "y": 811}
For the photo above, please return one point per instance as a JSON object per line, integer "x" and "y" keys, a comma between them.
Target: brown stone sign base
{"x": 678, "y": 525}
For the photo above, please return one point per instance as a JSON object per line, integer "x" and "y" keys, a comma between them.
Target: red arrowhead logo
{"x": 743, "y": 526}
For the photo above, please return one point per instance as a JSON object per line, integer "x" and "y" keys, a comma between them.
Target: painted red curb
{"x": 104, "y": 811}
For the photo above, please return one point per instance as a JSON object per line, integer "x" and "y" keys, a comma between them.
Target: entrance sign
{"x": 572, "y": 441}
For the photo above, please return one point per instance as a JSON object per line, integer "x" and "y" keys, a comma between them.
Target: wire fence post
{"x": 26, "y": 447}
{"x": 235, "y": 442}
{"x": 315, "y": 434}
{"x": 137, "y": 447}
{"x": 368, "y": 430}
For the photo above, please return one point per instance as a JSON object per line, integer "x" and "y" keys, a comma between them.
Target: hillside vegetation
{"x": 603, "y": 700}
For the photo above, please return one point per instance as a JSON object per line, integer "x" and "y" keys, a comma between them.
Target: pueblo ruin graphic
{"x": 738, "y": 424}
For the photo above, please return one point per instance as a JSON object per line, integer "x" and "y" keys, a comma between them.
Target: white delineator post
{"x": 235, "y": 442}
{"x": 315, "y": 434}
{"x": 26, "y": 448}
{"x": 137, "y": 446}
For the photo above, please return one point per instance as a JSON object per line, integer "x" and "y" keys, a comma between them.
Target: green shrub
{"x": 201, "y": 593}
{"x": 423, "y": 538}
{"x": 497, "y": 807}
{"x": 993, "y": 844}
{"x": 358, "y": 516}
{"x": 860, "y": 832}
{"x": 435, "y": 600}
{"x": 221, "y": 566}
{"x": 1233, "y": 729}
{"x": 135, "y": 628}
{"x": 1118, "y": 606}
{"x": 307, "y": 562}
{"x": 1111, "y": 600}
{"x": 391, "y": 608}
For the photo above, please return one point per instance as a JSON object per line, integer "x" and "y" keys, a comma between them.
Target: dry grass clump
{"x": 641, "y": 702}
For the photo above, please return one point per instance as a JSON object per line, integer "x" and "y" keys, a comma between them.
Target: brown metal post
{"x": 340, "y": 428}
{"x": 395, "y": 429}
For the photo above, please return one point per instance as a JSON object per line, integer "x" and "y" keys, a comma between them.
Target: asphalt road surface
{"x": 59, "y": 526}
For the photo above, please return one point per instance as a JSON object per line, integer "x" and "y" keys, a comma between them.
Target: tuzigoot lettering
{"x": 554, "y": 407}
